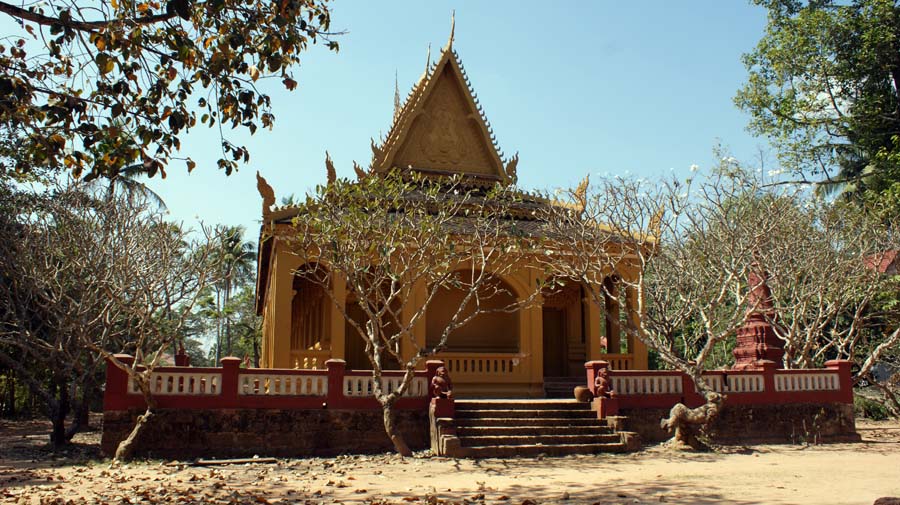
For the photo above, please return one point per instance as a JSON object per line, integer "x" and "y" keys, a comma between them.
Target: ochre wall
{"x": 489, "y": 332}
{"x": 524, "y": 343}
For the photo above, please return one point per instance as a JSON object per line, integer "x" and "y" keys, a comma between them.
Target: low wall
{"x": 184, "y": 433}
{"x": 652, "y": 389}
{"x": 747, "y": 424}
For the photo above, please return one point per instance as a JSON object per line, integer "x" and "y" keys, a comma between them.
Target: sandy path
{"x": 769, "y": 474}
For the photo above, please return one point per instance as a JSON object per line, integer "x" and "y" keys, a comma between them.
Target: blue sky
{"x": 601, "y": 87}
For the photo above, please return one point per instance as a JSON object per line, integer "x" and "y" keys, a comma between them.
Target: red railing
{"x": 766, "y": 386}
{"x": 233, "y": 387}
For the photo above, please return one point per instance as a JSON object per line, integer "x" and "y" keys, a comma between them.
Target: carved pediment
{"x": 446, "y": 135}
{"x": 441, "y": 129}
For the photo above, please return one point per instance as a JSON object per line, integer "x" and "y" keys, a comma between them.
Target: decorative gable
{"x": 441, "y": 129}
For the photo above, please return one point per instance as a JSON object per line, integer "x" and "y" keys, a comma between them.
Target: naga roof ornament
{"x": 329, "y": 168}
{"x": 266, "y": 192}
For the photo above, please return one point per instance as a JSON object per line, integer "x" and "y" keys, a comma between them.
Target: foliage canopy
{"x": 101, "y": 86}
{"x": 824, "y": 87}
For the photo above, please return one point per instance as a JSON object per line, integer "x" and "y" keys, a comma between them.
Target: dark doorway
{"x": 555, "y": 350}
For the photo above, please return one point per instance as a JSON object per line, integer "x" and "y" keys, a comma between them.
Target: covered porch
{"x": 508, "y": 354}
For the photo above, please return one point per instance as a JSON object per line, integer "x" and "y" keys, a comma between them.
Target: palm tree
{"x": 126, "y": 179}
{"x": 239, "y": 259}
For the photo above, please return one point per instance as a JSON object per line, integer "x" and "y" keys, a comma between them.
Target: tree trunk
{"x": 687, "y": 424}
{"x": 82, "y": 410}
{"x": 227, "y": 319}
{"x": 218, "y": 328}
{"x": 392, "y": 432}
{"x": 890, "y": 399}
{"x": 125, "y": 450}
{"x": 10, "y": 409}
{"x": 58, "y": 415}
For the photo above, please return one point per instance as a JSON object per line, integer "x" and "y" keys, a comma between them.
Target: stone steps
{"x": 505, "y": 428}
{"x": 479, "y": 405}
{"x": 562, "y": 387}
{"x": 544, "y": 422}
{"x": 512, "y": 451}
{"x": 528, "y": 414}
{"x": 551, "y": 429}
{"x": 522, "y": 439}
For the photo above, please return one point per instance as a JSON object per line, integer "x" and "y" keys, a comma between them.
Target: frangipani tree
{"x": 682, "y": 251}
{"x": 399, "y": 242}
{"x": 86, "y": 276}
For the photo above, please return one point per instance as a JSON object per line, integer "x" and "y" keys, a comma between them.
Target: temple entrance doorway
{"x": 564, "y": 332}
{"x": 555, "y": 348}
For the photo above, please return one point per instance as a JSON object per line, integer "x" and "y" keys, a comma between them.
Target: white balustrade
{"x": 282, "y": 385}
{"x": 646, "y": 384}
{"x": 181, "y": 383}
{"x": 362, "y": 386}
{"x": 742, "y": 383}
{"x": 813, "y": 381}
{"x": 464, "y": 367}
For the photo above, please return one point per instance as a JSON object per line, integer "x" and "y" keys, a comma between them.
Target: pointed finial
{"x": 329, "y": 168}
{"x": 266, "y": 192}
{"x": 428, "y": 59}
{"x": 511, "y": 166}
{"x": 360, "y": 173}
{"x": 396, "y": 97}
{"x": 655, "y": 225}
{"x": 452, "y": 28}
{"x": 376, "y": 151}
{"x": 580, "y": 193}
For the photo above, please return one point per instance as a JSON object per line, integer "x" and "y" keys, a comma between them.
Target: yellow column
{"x": 418, "y": 293}
{"x": 613, "y": 327}
{"x": 594, "y": 327}
{"x": 636, "y": 346}
{"x": 533, "y": 333}
{"x": 337, "y": 322}
{"x": 283, "y": 287}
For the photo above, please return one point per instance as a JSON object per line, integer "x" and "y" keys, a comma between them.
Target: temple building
{"x": 440, "y": 130}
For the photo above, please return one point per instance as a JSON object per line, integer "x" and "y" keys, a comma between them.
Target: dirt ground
{"x": 855, "y": 473}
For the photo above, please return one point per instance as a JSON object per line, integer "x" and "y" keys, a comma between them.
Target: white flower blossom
{"x": 694, "y": 167}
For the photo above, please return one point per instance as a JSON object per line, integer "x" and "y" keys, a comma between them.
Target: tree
{"x": 830, "y": 301}
{"x": 126, "y": 180}
{"x": 238, "y": 262}
{"x": 53, "y": 270}
{"x": 682, "y": 251}
{"x": 696, "y": 250}
{"x": 246, "y": 326}
{"x": 398, "y": 245}
{"x": 85, "y": 277}
{"x": 96, "y": 89}
{"x": 824, "y": 87}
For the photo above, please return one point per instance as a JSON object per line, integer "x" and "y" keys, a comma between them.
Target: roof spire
{"x": 452, "y": 29}
{"x": 396, "y": 96}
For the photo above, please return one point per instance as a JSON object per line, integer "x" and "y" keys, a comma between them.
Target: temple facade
{"x": 440, "y": 131}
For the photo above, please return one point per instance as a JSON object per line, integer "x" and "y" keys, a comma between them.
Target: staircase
{"x": 504, "y": 428}
{"x": 562, "y": 387}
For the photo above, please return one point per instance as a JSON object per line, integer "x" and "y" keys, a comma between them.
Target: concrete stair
{"x": 562, "y": 387}
{"x": 505, "y": 428}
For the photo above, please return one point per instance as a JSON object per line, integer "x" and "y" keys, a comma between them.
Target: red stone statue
{"x": 602, "y": 384}
{"x": 441, "y": 385}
